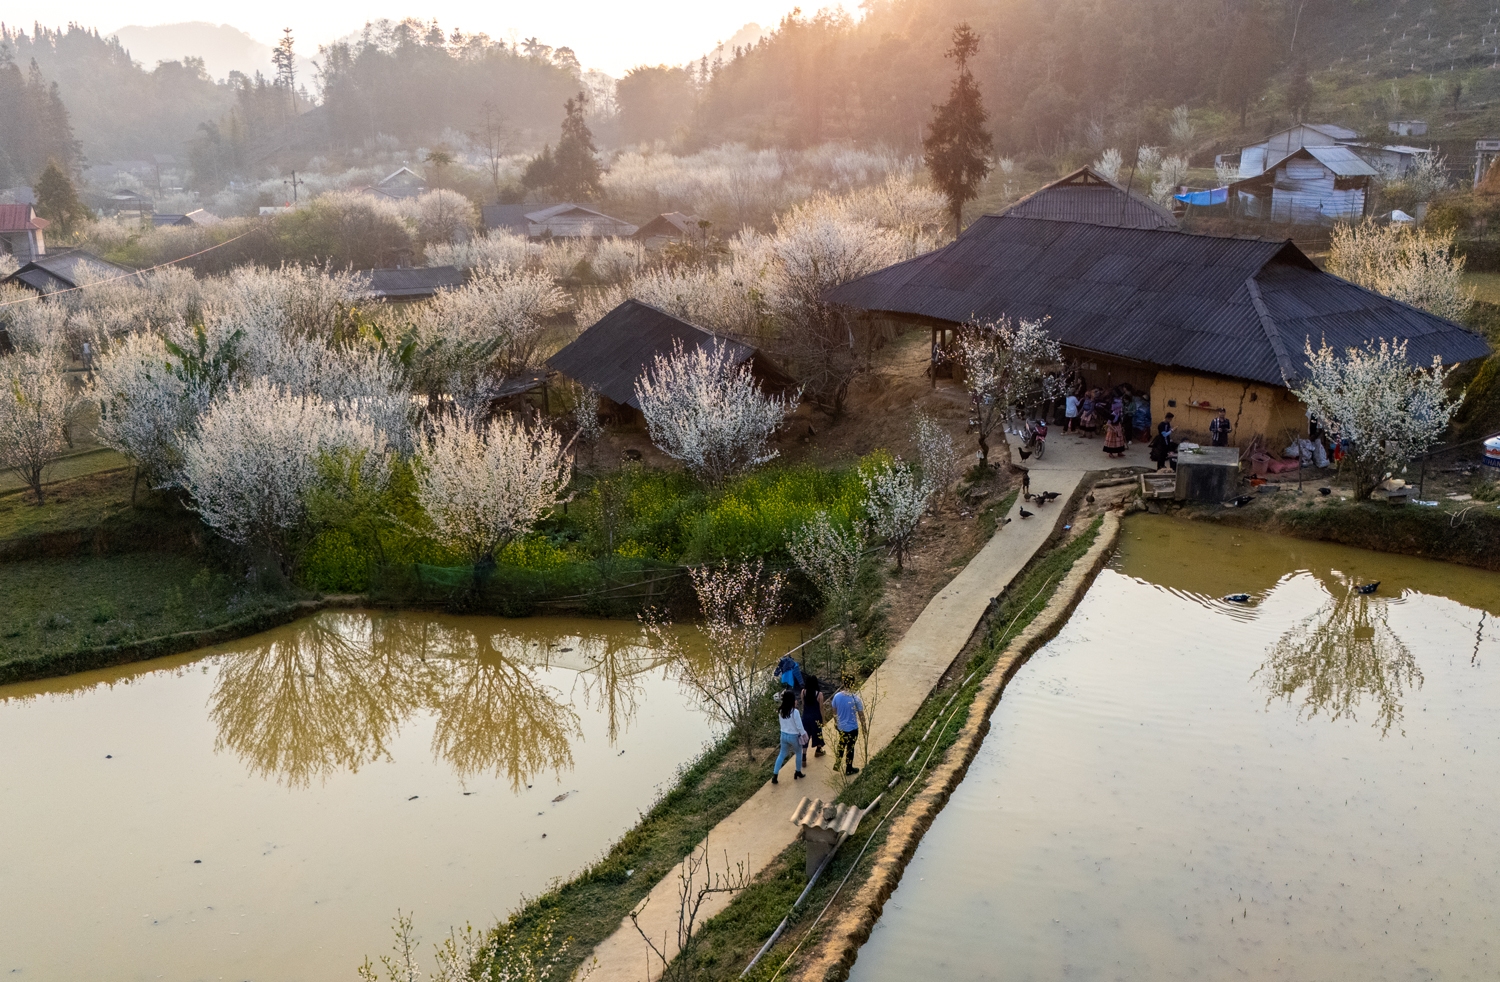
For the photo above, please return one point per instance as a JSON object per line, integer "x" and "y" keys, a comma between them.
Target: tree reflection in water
{"x": 1341, "y": 654}
{"x": 331, "y": 693}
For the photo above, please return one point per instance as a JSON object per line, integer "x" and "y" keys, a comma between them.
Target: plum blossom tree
{"x": 1417, "y": 267}
{"x": 937, "y": 455}
{"x": 36, "y": 406}
{"x": 148, "y": 408}
{"x": 739, "y": 601}
{"x": 495, "y": 320}
{"x": 709, "y": 412}
{"x": 1003, "y": 362}
{"x": 1389, "y": 410}
{"x": 896, "y": 499}
{"x": 831, "y": 555}
{"x": 260, "y": 450}
{"x": 483, "y": 484}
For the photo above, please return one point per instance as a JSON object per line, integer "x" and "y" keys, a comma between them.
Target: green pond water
{"x": 1304, "y": 786}
{"x": 260, "y": 810}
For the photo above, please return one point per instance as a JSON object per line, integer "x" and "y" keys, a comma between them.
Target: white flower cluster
{"x": 483, "y": 484}
{"x": 897, "y": 499}
{"x": 705, "y": 408}
{"x": 1415, "y": 266}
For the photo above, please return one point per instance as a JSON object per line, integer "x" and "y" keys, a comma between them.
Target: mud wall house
{"x": 1312, "y": 185}
{"x": 22, "y": 233}
{"x": 613, "y": 354}
{"x": 1198, "y": 321}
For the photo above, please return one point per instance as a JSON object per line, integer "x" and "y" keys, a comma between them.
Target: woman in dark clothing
{"x": 1162, "y": 445}
{"x": 812, "y": 711}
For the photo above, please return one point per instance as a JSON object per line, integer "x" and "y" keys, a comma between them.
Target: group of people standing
{"x": 801, "y": 714}
{"x": 1124, "y": 413}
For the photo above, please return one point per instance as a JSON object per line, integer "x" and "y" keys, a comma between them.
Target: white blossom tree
{"x": 260, "y": 450}
{"x": 896, "y": 500}
{"x": 938, "y": 456}
{"x": 707, "y": 411}
{"x": 740, "y": 601}
{"x": 831, "y": 555}
{"x": 37, "y": 404}
{"x": 493, "y": 322}
{"x": 1003, "y": 362}
{"x": 484, "y": 484}
{"x": 1389, "y": 410}
{"x": 148, "y": 408}
{"x": 1417, "y": 267}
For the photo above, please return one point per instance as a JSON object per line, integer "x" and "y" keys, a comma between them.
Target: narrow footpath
{"x": 758, "y": 831}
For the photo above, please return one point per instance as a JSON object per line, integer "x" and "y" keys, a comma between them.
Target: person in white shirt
{"x": 793, "y": 735}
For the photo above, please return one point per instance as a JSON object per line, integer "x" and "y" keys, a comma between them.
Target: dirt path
{"x": 759, "y": 830}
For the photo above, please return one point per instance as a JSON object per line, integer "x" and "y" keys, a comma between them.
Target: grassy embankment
{"x": 91, "y": 580}
{"x": 590, "y": 907}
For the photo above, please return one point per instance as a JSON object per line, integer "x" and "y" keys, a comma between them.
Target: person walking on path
{"x": 812, "y": 712}
{"x": 792, "y": 735}
{"x": 1070, "y": 409}
{"x": 1219, "y": 429}
{"x": 849, "y": 712}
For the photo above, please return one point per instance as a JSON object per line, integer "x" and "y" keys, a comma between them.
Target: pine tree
{"x": 957, "y": 148}
{"x": 57, "y": 201}
{"x": 575, "y": 165}
{"x": 286, "y": 66}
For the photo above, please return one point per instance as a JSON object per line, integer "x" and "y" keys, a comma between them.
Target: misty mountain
{"x": 223, "y": 48}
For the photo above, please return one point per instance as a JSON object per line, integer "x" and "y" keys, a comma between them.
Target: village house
{"x": 560, "y": 221}
{"x": 65, "y": 270}
{"x": 22, "y": 233}
{"x": 610, "y": 356}
{"x": 402, "y": 183}
{"x": 408, "y": 284}
{"x": 1197, "y": 321}
{"x": 671, "y": 226}
{"x": 1308, "y": 186}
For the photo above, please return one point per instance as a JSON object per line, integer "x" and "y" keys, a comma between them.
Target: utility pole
{"x": 294, "y": 183}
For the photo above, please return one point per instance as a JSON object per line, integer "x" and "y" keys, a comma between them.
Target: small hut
{"x": 671, "y": 226}
{"x": 610, "y": 356}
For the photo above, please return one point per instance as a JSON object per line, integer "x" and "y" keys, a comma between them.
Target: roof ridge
{"x": 1273, "y": 333}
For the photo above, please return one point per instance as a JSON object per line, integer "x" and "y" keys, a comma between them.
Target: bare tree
{"x": 675, "y": 954}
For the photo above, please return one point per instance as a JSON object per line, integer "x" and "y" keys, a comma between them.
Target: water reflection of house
{"x": 610, "y": 356}
{"x": 1198, "y": 321}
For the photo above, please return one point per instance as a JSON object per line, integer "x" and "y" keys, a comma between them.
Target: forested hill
{"x": 1078, "y": 73}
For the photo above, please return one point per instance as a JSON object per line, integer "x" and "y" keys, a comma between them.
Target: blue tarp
{"x": 1217, "y": 196}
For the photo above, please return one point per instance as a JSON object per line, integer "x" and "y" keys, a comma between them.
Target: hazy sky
{"x": 607, "y": 34}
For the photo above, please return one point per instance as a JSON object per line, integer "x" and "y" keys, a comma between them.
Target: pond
{"x": 260, "y": 810}
{"x": 1300, "y": 786}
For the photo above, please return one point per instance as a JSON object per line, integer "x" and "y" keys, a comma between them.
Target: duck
{"x": 1026, "y": 514}
{"x": 1367, "y": 587}
{"x": 1050, "y": 495}
{"x": 1237, "y": 598}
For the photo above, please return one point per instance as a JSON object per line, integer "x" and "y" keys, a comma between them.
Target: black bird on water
{"x": 1025, "y": 513}
{"x": 1238, "y": 598}
{"x": 1367, "y": 587}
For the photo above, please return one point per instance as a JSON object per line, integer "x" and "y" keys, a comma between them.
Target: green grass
{"x": 73, "y": 465}
{"x": 56, "y": 607}
{"x": 1486, "y": 286}
{"x": 80, "y": 503}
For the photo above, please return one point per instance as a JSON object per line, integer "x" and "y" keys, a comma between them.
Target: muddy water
{"x": 260, "y": 810}
{"x": 1303, "y": 786}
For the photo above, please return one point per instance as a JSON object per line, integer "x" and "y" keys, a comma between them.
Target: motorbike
{"x": 1034, "y": 438}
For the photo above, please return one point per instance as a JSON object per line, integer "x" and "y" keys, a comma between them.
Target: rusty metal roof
{"x": 1158, "y": 296}
{"x": 809, "y": 813}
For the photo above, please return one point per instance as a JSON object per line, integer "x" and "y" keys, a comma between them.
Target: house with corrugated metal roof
{"x": 613, "y": 354}
{"x": 1198, "y": 321}
{"x": 408, "y": 284}
{"x": 1088, "y": 196}
{"x": 400, "y": 183}
{"x": 560, "y": 221}
{"x": 670, "y": 226}
{"x": 1257, "y": 158}
{"x": 65, "y": 270}
{"x": 1308, "y": 186}
{"x": 21, "y": 233}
